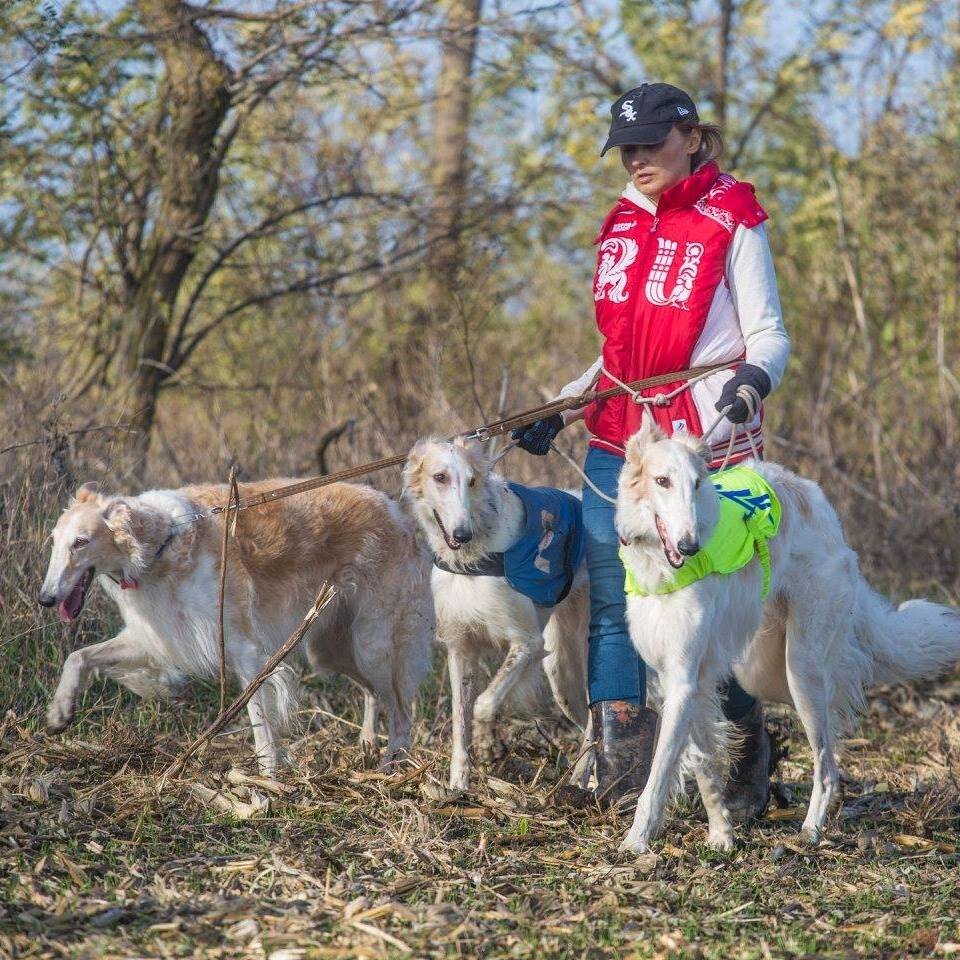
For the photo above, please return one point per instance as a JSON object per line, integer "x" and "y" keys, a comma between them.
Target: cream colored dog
{"x": 163, "y": 572}
{"x": 466, "y": 513}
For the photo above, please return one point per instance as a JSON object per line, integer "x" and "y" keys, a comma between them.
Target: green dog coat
{"x": 749, "y": 517}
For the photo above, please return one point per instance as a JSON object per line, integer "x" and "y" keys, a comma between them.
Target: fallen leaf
{"x": 921, "y": 843}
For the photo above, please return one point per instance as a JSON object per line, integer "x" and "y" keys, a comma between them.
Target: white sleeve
{"x": 575, "y": 387}
{"x": 753, "y": 288}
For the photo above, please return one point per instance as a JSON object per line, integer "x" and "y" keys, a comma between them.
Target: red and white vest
{"x": 663, "y": 305}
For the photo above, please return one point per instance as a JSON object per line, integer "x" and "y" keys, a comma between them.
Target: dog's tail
{"x": 917, "y": 639}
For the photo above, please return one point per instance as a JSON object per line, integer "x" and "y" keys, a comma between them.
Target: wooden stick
{"x": 233, "y": 495}
{"x": 325, "y": 595}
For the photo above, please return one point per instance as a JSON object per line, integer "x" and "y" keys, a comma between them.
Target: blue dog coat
{"x": 542, "y": 563}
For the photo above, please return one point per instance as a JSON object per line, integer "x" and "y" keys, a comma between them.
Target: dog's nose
{"x": 688, "y": 546}
{"x": 46, "y": 599}
{"x": 463, "y": 534}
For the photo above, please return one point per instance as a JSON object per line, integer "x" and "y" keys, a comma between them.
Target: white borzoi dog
{"x": 163, "y": 574}
{"x": 818, "y": 641}
{"x": 467, "y": 513}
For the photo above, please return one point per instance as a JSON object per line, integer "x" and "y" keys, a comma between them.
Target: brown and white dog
{"x": 466, "y": 513}
{"x": 163, "y": 573}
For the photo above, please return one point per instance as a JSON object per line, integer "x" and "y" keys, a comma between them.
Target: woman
{"x": 684, "y": 278}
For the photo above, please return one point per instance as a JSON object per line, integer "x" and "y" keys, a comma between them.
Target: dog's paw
{"x": 487, "y": 746}
{"x": 810, "y": 835}
{"x": 634, "y": 842}
{"x": 59, "y": 713}
{"x": 459, "y": 779}
{"x": 721, "y": 840}
{"x": 392, "y": 762}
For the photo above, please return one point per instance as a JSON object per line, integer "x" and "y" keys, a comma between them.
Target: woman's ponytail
{"x": 711, "y": 142}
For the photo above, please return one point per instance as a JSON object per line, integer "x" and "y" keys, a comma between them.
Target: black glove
{"x": 747, "y": 374}
{"x": 536, "y": 437}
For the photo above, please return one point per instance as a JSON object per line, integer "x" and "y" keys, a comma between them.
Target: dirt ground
{"x": 99, "y": 858}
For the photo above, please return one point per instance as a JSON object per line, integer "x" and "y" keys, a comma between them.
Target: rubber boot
{"x": 747, "y": 790}
{"x": 626, "y": 734}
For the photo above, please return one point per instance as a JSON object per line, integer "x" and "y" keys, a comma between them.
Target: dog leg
{"x": 680, "y": 706}
{"x": 565, "y": 664}
{"x": 368, "y": 729}
{"x": 121, "y": 658}
{"x": 710, "y": 737}
{"x": 523, "y": 650}
{"x": 264, "y": 739}
{"x": 462, "y": 670}
{"x": 375, "y": 653}
{"x": 710, "y": 782}
{"x": 399, "y": 726}
{"x": 811, "y": 699}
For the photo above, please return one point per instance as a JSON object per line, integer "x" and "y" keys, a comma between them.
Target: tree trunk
{"x": 727, "y": 8}
{"x": 451, "y": 132}
{"x": 449, "y": 168}
{"x": 194, "y": 101}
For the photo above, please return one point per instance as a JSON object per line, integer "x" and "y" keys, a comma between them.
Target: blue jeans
{"x": 614, "y": 669}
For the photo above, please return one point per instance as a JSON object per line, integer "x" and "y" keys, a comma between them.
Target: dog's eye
{"x": 440, "y": 477}
{"x": 472, "y": 482}
{"x": 80, "y": 542}
{"x": 662, "y": 482}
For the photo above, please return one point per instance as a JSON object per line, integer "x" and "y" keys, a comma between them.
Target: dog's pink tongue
{"x": 71, "y": 606}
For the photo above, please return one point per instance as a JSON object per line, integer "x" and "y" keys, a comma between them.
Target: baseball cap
{"x": 646, "y": 114}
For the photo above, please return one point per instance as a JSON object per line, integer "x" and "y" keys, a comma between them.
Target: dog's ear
{"x": 137, "y": 531}
{"x": 413, "y": 468}
{"x": 470, "y": 445}
{"x": 695, "y": 445}
{"x": 649, "y": 433}
{"x": 478, "y": 454}
{"x": 89, "y": 492}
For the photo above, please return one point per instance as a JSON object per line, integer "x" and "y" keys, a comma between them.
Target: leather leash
{"x": 483, "y": 434}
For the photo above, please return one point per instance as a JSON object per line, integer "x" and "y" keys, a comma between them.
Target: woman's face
{"x": 656, "y": 167}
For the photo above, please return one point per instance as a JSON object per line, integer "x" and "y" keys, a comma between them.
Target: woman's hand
{"x": 747, "y": 375}
{"x": 536, "y": 437}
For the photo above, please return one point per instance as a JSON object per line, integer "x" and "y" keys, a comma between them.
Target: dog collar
{"x": 490, "y": 565}
{"x": 132, "y": 583}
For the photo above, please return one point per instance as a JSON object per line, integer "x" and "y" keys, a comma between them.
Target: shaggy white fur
{"x": 466, "y": 512}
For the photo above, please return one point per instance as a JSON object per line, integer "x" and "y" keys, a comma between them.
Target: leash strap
{"x": 483, "y": 434}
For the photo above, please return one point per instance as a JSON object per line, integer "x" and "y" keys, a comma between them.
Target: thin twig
{"x": 233, "y": 498}
{"x": 68, "y": 433}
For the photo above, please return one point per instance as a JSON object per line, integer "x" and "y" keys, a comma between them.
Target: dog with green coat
{"x": 747, "y": 572}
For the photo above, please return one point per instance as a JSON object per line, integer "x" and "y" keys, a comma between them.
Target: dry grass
{"x": 98, "y": 859}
